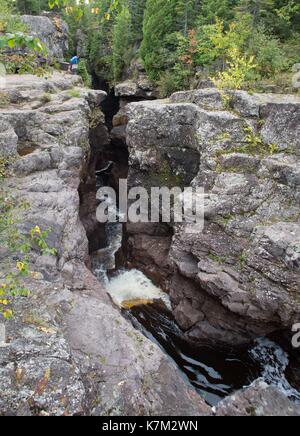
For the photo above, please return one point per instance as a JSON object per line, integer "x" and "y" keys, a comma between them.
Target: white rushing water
{"x": 104, "y": 260}
{"x": 274, "y": 361}
{"x": 129, "y": 287}
{"x": 133, "y": 285}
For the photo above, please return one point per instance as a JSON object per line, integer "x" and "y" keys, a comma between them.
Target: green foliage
{"x": 268, "y": 53}
{"x": 84, "y": 74}
{"x": 105, "y": 8}
{"x": 38, "y": 238}
{"x": 174, "y": 80}
{"x": 180, "y": 38}
{"x": 237, "y": 72}
{"x": 13, "y": 35}
{"x": 11, "y": 283}
{"x": 17, "y": 245}
{"x": 229, "y": 37}
{"x": 121, "y": 42}
{"x": 9, "y": 19}
{"x": 74, "y": 93}
{"x": 32, "y": 7}
{"x": 160, "y": 21}
{"x": 10, "y": 238}
{"x": 95, "y": 23}
{"x": 136, "y": 9}
{"x": 21, "y": 40}
{"x": 213, "y": 9}
{"x": 255, "y": 145}
{"x": 23, "y": 64}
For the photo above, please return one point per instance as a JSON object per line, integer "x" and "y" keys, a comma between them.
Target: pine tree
{"x": 137, "y": 8}
{"x": 32, "y": 7}
{"x": 212, "y": 9}
{"x": 160, "y": 21}
{"x": 121, "y": 41}
{"x": 187, "y": 11}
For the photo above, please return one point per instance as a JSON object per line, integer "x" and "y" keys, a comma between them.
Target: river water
{"x": 214, "y": 371}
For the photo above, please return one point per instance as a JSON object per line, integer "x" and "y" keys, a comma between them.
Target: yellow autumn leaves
{"x": 11, "y": 286}
{"x": 6, "y": 312}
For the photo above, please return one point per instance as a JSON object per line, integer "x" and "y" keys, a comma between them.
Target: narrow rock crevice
{"x": 107, "y": 163}
{"x": 198, "y": 316}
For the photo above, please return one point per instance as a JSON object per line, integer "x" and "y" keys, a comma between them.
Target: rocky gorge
{"x": 240, "y": 277}
{"x": 69, "y": 349}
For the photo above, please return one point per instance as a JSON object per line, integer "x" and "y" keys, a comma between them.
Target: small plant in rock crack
{"x": 74, "y": 93}
{"x": 11, "y": 287}
{"x": 19, "y": 245}
{"x": 254, "y": 144}
{"x": 39, "y": 239}
{"x": 5, "y": 162}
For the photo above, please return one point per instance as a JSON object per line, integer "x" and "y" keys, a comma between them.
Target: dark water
{"x": 214, "y": 371}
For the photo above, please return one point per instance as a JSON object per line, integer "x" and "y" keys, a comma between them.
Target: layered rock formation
{"x": 69, "y": 350}
{"x": 240, "y": 277}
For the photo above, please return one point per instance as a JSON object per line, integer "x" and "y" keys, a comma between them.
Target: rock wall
{"x": 240, "y": 277}
{"x": 52, "y": 31}
{"x": 69, "y": 351}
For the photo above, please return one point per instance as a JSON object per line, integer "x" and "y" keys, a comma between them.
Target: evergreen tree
{"x": 187, "y": 11}
{"x": 121, "y": 42}
{"x": 136, "y": 8}
{"x": 160, "y": 21}
{"x": 32, "y": 7}
{"x": 178, "y": 36}
{"x": 212, "y": 9}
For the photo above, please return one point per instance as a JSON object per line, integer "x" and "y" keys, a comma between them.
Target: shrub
{"x": 74, "y": 93}
{"x": 237, "y": 73}
{"x": 9, "y": 19}
{"x": 268, "y": 52}
{"x": 174, "y": 80}
{"x": 84, "y": 74}
{"x": 121, "y": 42}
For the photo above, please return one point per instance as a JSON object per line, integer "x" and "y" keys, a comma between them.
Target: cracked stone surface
{"x": 69, "y": 351}
{"x": 240, "y": 277}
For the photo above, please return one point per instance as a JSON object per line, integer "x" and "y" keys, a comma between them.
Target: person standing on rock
{"x": 74, "y": 64}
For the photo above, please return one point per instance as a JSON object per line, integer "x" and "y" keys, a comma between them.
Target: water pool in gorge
{"x": 214, "y": 371}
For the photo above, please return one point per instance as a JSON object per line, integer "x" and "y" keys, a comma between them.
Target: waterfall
{"x": 131, "y": 288}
